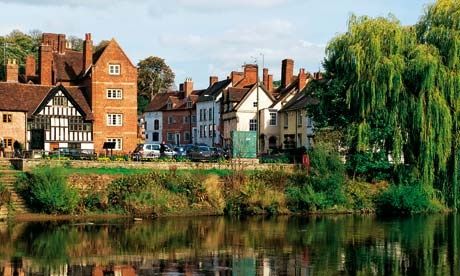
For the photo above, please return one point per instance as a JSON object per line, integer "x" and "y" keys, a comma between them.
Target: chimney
{"x": 267, "y": 84}
{"x": 302, "y": 79}
{"x": 250, "y": 73}
{"x": 236, "y": 77}
{"x": 46, "y": 60}
{"x": 12, "y": 71}
{"x": 61, "y": 43}
{"x": 287, "y": 71}
{"x": 181, "y": 87}
{"x": 270, "y": 83}
{"x": 87, "y": 52}
{"x": 30, "y": 66}
{"x": 188, "y": 87}
{"x": 212, "y": 80}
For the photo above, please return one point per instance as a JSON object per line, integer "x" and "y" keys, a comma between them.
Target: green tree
{"x": 17, "y": 45}
{"x": 155, "y": 76}
{"x": 400, "y": 89}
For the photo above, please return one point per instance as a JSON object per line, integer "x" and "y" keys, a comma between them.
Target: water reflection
{"x": 340, "y": 245}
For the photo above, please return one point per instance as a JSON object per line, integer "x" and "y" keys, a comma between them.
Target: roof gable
{"x": 100, "y": 54}
{"x": 252, "y": 89}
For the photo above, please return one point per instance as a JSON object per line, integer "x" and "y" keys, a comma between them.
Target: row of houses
{"x": 238, "y": 103}
{"x": 70, "y": 99}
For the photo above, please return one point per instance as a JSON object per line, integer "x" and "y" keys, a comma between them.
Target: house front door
{"x": 177, "y": 138}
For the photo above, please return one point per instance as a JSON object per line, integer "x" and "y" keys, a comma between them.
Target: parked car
{"x": 180, "y": 151}
{"x": 143, "y": 151}
{"x": 75, "y": 154}
{"x": 200, "y": 153}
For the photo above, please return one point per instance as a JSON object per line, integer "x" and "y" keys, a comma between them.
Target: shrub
{"x": 275, "y": 159}
{"x": 304, "y": 198}
{"x": 46, "y": 190}
{"x": 369, "y": 166}
{"x": 406, "y": 199}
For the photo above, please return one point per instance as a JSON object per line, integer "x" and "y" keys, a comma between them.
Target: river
{"x": 322, "y": 245}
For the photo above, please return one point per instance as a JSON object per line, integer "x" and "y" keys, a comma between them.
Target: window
{"x": 210, "y": 114}
{"x": 205, "y": 130}
{"x": 156, "y": 125}
{"x": 273, "y": 118}
{"x": 60, "y": 101}
{"x": 114, "y": 119}
{"x": 114, "y": 69}
{"x": 8, "y": 142}
{"x": 299, "y": 118}
{"x": 170, "y": 120}
{"x": 118, "y": 143}
{"x": 7, "y": 118}
{"x": 189, "y": 104}
{"x": 201, "y": 115}
{"x": 170, "y": 137}
{"x": 253, "y": 125}
{"x": 186, "y": 119}
{"x": 201, "y": 131}
{"x": 286, "y": 120}
{"x": 146, "y": 136}
{"x": 309, "y": 122}
{"x": 116, "y": 94}
{"x": 77, "y": 124}
{"x": 254, "y": 104}
{"x": 155, "y": 136}
{"x": 210, "y": 130}
{"x": 193, "y": 118}
{"x": 204, "y": 114}
{"x": 169, "y": 106}
{"x": 187, "y": 136}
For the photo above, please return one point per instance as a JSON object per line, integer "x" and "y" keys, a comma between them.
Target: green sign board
{"x": 244, "y": 144}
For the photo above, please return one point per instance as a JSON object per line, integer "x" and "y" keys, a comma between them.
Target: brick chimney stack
{"x": 87, "y": 52}
{"x": 12, "y": 71}
{"x": 250, "y": 73}
{"x": 188, "y": 87}
{"x": 212, "y": 80}
{"x": 287, "y": 72}
{"x": 303, "y": 77}
{"x": 236, "y": 77}
{"x": 61, "y": 44}
{"x": 46, "y": 63}
{"x": 30, "y": 66}
{"x": 268, "y": 80}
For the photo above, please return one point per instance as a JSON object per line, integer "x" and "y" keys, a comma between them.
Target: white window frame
{"x": 253, "y": 125}
{"x": 114, "y": 69}
{"x": 114, "y": 119}
{"x": 118, "y": 143}
{"x": 273, "y": 120}
{"x": 170, "y": 136}
{"x": 114, "y": 93}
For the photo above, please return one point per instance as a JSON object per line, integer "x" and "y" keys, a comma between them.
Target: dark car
{"x": 75, "y": 154}
{"x": 180, "y": 151}
{"x": 200, "y": 153}
{"x": 219, "y": 153}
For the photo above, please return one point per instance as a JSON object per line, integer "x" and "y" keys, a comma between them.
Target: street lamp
{"x": 213, "y": 115}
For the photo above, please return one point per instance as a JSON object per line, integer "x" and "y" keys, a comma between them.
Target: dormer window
{"x": 169, "y": 105}
{"x": 189, "y": 104}
{"x": 114, "y": 69}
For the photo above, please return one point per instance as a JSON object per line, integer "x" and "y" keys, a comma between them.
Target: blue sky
{"x": 199, "y": 38}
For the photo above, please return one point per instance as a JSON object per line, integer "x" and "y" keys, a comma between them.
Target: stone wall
{"x": 28, "y": 164}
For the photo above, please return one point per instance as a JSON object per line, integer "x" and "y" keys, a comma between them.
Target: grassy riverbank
{"x": 150, "y": 193}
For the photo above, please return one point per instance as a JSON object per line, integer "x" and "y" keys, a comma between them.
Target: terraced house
{"x": 72, "y": 99}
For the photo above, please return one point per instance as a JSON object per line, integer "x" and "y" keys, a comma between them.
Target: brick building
{"x": 171, "y": 116}
{"x": 77, "y": 99}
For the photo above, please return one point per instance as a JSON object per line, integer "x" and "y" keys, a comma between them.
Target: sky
{"x": 200, "y": 38}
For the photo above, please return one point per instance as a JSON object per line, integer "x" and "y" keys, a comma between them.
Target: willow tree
{"x": 402, "y": 91}
{"x": 440, "y": 28}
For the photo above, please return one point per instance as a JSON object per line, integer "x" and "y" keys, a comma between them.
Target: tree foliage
{"x": 395, "y": 90}
{"x": 155, "y": 76}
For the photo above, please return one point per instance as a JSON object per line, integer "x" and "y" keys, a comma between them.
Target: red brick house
{"x": 171, "y": 116}
{"x": 75, "y": 99}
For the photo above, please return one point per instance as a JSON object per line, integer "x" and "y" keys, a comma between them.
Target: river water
{"x": 323, "y": 245}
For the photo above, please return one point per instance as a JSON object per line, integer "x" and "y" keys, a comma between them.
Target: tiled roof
{"x": 299, "y": 101}
{"x": 236, "y": 94}
{"x": 98, "y": 53}
{"x": 214, "y": 90}
{"x": 178, "y": 99}
{"x": 28, "y": 97}
{"x": 68, "y": 66}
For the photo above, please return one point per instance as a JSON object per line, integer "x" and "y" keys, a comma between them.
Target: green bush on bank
{"x": 46, "y": 190}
